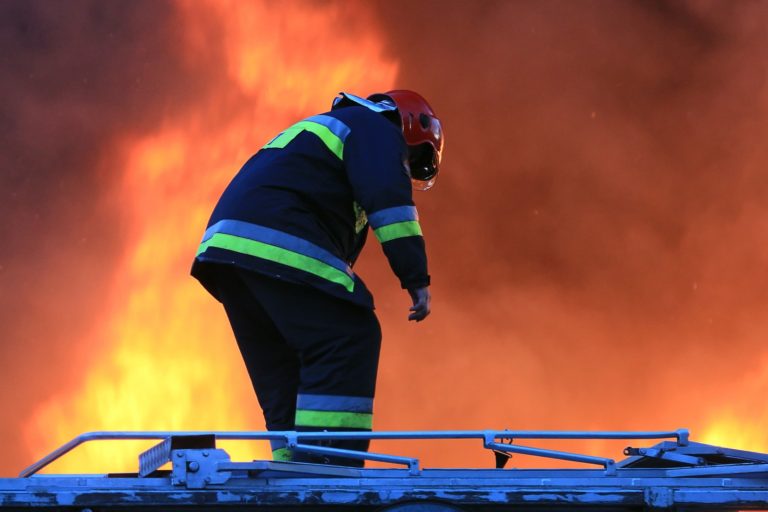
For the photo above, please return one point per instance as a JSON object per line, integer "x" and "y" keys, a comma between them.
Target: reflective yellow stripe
{"x": 278, "y": 255}
{"x": 332, "y": 141}
{"x": 397, "y": 230}
{"x": 334, "y": 419}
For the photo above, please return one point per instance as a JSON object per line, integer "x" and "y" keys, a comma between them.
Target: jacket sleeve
{"x": 375, "y": 157}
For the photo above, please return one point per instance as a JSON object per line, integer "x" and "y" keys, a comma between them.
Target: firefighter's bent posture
{"x": 279, "y": 248}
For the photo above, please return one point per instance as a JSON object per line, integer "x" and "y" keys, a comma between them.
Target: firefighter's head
{"x": 423, "y": 133}
{"x": 421, "y": 128}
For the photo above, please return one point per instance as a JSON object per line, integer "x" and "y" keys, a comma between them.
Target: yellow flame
{"x": 164, "y": 357}
{"x": 741, "y": 422}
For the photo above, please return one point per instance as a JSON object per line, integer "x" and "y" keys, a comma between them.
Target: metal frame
{"x": 673, "y": 475}
{"x": 291, "y": 438}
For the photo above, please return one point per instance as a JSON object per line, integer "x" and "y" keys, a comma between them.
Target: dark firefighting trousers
{"x": 312, "y": 358}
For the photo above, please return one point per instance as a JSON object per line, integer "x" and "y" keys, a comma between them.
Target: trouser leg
{"x": 272, "y": 364}
{"x": 338, "y": 380}
{"x": 338, "y": 344}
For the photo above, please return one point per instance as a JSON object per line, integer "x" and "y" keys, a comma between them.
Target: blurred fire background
{"x": 595, "y": 239}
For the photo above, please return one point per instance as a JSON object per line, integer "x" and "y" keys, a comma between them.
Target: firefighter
{"x": 279, "y": 248}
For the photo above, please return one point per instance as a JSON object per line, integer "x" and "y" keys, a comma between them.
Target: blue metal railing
{"x": 489, "y": 438}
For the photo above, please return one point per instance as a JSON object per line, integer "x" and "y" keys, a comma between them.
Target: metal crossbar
{"x": 489, "y": 438}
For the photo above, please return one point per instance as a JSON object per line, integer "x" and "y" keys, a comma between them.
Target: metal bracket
{"x": 198, "y": 468}
{"x": 151, "y": 460}
{"x": 657, "y": 453}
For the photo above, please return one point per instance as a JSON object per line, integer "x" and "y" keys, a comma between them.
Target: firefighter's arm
{"x": 374, "y": 156}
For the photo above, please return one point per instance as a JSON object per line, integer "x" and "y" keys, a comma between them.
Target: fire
{"x": 596, "y": 259}
{"x": 163, "y": 355}
{"x": 742, "y": 423}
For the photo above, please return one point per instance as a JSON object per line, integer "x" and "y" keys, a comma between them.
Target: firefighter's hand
{"x": 421, "y": 299}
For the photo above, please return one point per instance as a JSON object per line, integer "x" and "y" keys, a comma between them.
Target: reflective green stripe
{"x": 278, "y": 255}
{"x": 332, "y": 142}
{"x": 398, "y": 230}
{"x": 284, "y": 138}
{"x": 308, "y": 418}
{"x": 282, "y": 454}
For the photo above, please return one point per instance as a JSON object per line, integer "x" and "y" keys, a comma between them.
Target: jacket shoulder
{"x": 359, "y": 118}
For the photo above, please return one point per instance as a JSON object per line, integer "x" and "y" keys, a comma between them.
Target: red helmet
{"x": 423, "y": 134}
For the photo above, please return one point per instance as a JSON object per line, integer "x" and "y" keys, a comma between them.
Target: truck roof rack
{"x": 673, "y": 474}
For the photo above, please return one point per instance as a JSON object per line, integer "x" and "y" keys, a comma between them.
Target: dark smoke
{"x": 73, "y": 75}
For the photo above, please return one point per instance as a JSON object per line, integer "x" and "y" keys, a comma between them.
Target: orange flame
{"x": 164, "y": 355}
{"x": 742, "y": 423}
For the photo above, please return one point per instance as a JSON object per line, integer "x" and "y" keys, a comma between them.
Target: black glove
{"x": 421, "y": 299}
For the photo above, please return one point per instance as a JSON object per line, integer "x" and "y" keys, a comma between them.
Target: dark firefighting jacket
{"x": 299, "y": 209}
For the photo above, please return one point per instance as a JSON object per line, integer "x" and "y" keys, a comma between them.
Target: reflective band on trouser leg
{"x": 334, "y": 403}
{"x": 334, "y": 411}
{"x": 397, "y": 230}
{"x": 279, "y": 255}
{"x": 330, "y": 130}
{"x": 333, "y": 419}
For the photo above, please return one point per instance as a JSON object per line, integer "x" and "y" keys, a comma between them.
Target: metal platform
{"x": 673, "y": 474}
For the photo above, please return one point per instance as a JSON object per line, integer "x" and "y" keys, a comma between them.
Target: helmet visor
{"x": 423, "y": 185}
{"x": 423, "y": 161}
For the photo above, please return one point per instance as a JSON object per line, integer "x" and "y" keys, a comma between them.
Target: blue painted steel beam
{"x": 374, "y": 489}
